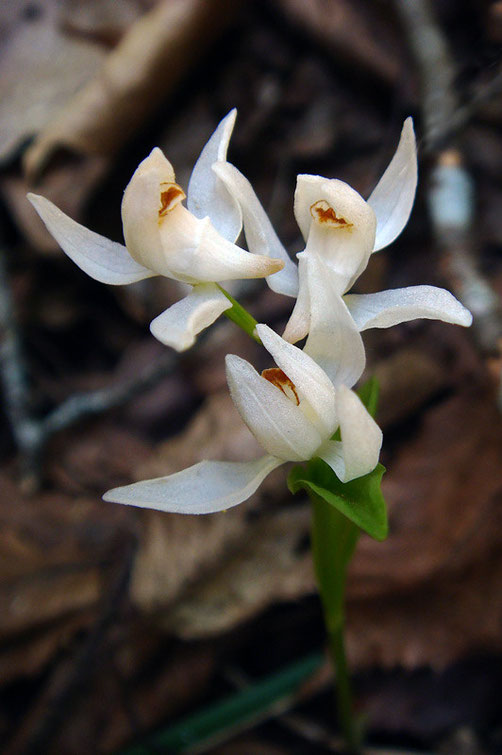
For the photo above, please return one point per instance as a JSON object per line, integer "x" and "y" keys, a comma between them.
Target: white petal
{"x": 207, "y": 256}
{"x": 334, "y": 341}
{"x": 312, "y": 384}
{"x": 207, "y": 194}
{"x": 358, "y": 452}
{"x": 260, "y": 235}
{"x": 204, "y": 488}
{"x": 298, "y": 324}
{"x": 387, "y": 308}
{"x": 393, "y": 196}
{"x": 275, "y": 421}
{"x": 179, "y": 325}
{"x": 175, "y": 243}
{"x": 337, "y": 224}
{"x": 102, "y": 259}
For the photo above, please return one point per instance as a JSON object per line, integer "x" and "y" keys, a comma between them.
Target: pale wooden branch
{"x": 14, "y": 377}
{"x": 451, "y": 195}
{"x": 82, "y": 405}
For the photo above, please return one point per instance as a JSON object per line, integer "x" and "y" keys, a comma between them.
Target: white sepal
{"x": 358, "y": 452}
{"x": 207, "y": 195}
{"x": 179, "y": 325}
{"x": 102, "y": 259}
{"x": 334, "y": 341}
{"x": 393, "y": 196}
{"x": 261, "y": 237}
{"x": 278, "y": 425}
{"x": 311, "y": 382}
{"x": 204, "y": 488}
{"x": 387, "y": 308}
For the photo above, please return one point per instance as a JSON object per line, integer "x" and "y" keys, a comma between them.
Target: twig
{"x": 443, "y": 114}
{"x": 13, "y": 375}
{"x": 484, "y": 93}
{"x": 452, "y": 191}
{"x": 32, "y": 434}
{"x": 81, "y": 405}
{"x": 436, "y": 68}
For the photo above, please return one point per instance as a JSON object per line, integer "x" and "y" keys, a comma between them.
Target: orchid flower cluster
{"x": 303, "y": 407}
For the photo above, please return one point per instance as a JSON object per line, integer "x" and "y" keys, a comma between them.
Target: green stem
{"x": 240, "y": 316}
{"x": 334, "y": 538}
{"x": 343, "y": 690}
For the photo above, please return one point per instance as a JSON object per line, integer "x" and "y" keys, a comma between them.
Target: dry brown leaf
{"x": 414, "y": 597}
{"x": 136, "y": 76}
{"x": 175, "y": 549}
{"x": 31, "y": 653}
{"x": 104, "y": 20}
{"x": 407, "y": 379}
{"x": 47, "y": 595}
{"x": 71, "y": 154}
{"x": 267, "y": 565}
{"x": 179, "y": 680}
{"x": 68, "y": 184}
{"x": 123, "y": 701}
{"x": 41, "y": 68}
{"x": 50, "y": 565}
{"x": 443, "y": 489}
{"x": 96, "y": 458}
{"x": 49, "y": 54}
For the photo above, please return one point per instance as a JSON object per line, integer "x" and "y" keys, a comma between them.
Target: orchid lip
{"x": 277, "y": 377}
{"x": 170, "y": 197}
{"x": 323, "y": 213}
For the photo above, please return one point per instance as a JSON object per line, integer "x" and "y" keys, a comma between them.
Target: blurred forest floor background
{"x": 115, "y": 621}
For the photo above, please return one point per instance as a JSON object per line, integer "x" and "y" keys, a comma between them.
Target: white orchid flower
{"x": 193, "y": 244}
{"x": 293, "y": 410}
{"x": 342, "y": 229}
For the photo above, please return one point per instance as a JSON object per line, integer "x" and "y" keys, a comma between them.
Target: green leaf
{"x": 360, "y": 500}
{"x": 369, "y": 393}
{"x": 223, "y": 719}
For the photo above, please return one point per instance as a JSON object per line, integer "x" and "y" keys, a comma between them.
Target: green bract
{"x": 360, "y": 500}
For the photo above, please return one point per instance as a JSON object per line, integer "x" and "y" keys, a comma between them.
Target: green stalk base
{"x": 334, "y": 538}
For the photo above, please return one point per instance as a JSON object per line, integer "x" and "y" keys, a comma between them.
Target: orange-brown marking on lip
{"x": 170, "y": 197}
{"x": 279, "y": 378}
{"x": 324, "y": 213}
